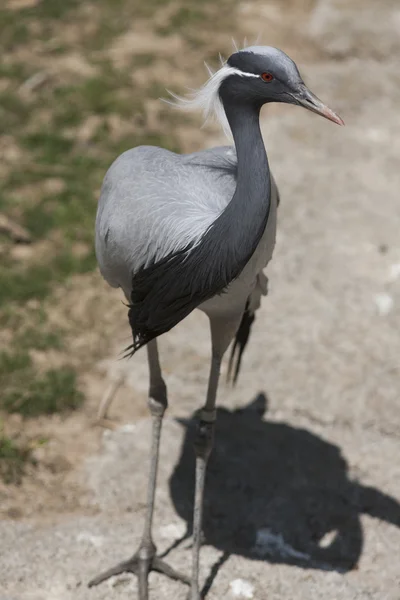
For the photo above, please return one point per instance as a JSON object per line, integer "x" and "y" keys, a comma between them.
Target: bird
{"x": 178, "y": 232}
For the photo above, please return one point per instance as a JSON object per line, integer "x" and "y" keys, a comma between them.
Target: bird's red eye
{"x": 267, "y": 77}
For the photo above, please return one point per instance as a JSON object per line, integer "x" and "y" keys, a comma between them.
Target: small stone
{"x": 241, "y": 588}
{"x": 384, "y": 304}
{"x": 394, "y": 272}
{"x": 172, "y": 531}
{"x": 87, "y": 537}
{"x": 127, "y": 428}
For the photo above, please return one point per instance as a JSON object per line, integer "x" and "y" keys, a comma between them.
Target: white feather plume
{"x": 207, "y": 98}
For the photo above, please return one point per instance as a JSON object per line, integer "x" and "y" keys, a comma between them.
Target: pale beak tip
{"x": 340, "y": 121}
{"x": 330, "y": 115}
{"x": 311, "y": 102}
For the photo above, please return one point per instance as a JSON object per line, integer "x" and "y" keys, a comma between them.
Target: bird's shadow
{"x": 277, "y": 493}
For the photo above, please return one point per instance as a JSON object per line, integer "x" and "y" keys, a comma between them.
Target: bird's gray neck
{"x": 242, "y": 223}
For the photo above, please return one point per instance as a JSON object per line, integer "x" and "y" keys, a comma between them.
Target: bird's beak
{"x": 309, "y": 100}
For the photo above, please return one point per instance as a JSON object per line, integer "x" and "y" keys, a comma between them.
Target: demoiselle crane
{"x": 179, "y": 232}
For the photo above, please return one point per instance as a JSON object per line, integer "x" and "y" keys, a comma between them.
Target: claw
{"x": 123, "y": 567}
{"x": 141, "y": 567}
{"x": 162, "y": 567}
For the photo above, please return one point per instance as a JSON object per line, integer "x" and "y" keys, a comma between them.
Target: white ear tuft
{"x": 207, "y": 98}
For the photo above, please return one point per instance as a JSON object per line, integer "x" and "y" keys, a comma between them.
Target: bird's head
{"x": 261, "y": 74}
{"x": 255, "y": 76}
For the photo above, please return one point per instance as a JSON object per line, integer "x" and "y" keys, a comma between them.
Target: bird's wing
{"x": 155, "y": 203}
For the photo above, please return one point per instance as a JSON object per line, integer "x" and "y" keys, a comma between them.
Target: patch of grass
{"x": 14, "y": 30}
{"x": 185, "y": 16}
{"x": 97, "y": 96}
{"x": 14, "y": 112}
{"x": 39, "y": 339}
{"x": 16, "y": 23}
{"x": 21, "y": 284}
{"x": 49, "y": 146}
{"x": 55, "y": 391}
{"x": 39, "y": 219}
{"x": 52, "y": 9}
{"x": 68, "y": 112}
{"x": 143, "y": 60}
{"x": 13, "y": 70}
{"x": 13, "y": 459}
{"x": 67, "y": 263}
{"x": 156, "y": 90}
{"x": 12, "y": 362}
{"x": 31, "y": 394}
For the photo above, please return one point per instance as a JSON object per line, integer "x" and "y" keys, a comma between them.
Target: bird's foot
{"x": 141, "y": 563}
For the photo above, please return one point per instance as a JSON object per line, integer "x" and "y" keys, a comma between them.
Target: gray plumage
{"x": 179, "y": 232}
{"x": 137, "y": 225}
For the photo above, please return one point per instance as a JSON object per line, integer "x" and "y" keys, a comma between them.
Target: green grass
{"x": 55, "y": 391}
{"x": 40, "y": 339}
{"x": 14, "y": 457}
{"x": 49, "y": 147}
{"x": 14, "y": 31}
{"x": 12, "y": 363}
{"x": 30, "y": 393}
{"x": 143, "y": 60}
{"x": 20, "y": 285}
{"x": 184, "y": 17}
{"x": 14, "y": 112}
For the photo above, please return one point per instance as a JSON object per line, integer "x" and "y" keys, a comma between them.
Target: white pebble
{"x": 127, "y": 428}
{"x": 172, "y": 530}
{"x": 94, "y": 540}
{"x": 241, "y": 588}
{"x": 384, "y": 304}
{"x": 394, "y": 272}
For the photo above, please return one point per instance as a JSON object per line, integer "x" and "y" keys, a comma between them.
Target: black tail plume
{"x": 240, "y": 343}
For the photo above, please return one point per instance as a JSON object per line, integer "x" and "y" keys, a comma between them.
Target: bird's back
{"x": 154, "y": 202}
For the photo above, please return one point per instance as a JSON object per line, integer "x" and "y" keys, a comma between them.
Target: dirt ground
{"x": 303, "y": 492}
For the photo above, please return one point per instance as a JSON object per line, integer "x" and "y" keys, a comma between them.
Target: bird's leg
{"x": 202, "y": 445}
{"x": 222, "y": 332}
{"x": 145, "y": 559}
